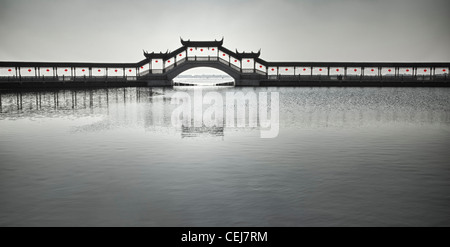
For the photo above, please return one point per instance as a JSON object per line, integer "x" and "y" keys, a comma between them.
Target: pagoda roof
{"x": 160, "y": 55}
{"x": 189, "y": 43}
{"x": 248, "y": 54}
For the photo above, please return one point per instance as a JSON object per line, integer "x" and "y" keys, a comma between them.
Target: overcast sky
{"x": 286, "y": 30}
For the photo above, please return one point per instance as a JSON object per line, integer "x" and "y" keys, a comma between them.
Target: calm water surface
{"x": 111, "y": 157}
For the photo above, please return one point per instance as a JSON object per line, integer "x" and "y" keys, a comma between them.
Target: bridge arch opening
{"x": 204, "y": 76}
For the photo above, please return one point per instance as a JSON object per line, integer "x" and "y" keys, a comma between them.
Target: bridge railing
{"x": 144, "y": 72}
{"x": 69, "y": 78}
{"x": 202, "y": 59}
{"x": 157, "y": 71}
{"x": 235, "y": 67}
{"x": 208, "y": 58}
{"x": 260, "y": 72}
{"x": 247, "y": 74}
{"x": 181, "y": 61}
{"x": 399, "y": 78}
{"x": 441, "y": 77}
{"x": 169, "y": 67}
{"x": 248, "y": 71}
{"x": 224, "y": 61}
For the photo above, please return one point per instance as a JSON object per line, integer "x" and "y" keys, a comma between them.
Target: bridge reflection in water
{"x": 152, "y": 108}
{"x": 201, "y": 131}
{"x": 344, "y": 156}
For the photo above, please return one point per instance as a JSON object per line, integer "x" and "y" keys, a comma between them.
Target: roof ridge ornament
{"x": 244, "y": 54}
{"x": 160, "y": 55}
{"x": 215, "y": 43}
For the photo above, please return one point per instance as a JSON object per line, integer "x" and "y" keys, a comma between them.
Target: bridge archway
{"x": 177, "y": 70}
{"x": 203, "y": 76}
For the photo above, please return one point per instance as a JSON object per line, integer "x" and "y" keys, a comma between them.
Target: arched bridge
{"x": 211, "y": 62}
{"x": 247, "y": 69}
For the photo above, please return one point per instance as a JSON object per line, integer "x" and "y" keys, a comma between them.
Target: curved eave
{"x": 164, "y": 56}
{"x": 248, "y": 54}
{"x": 189, "y": 43}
